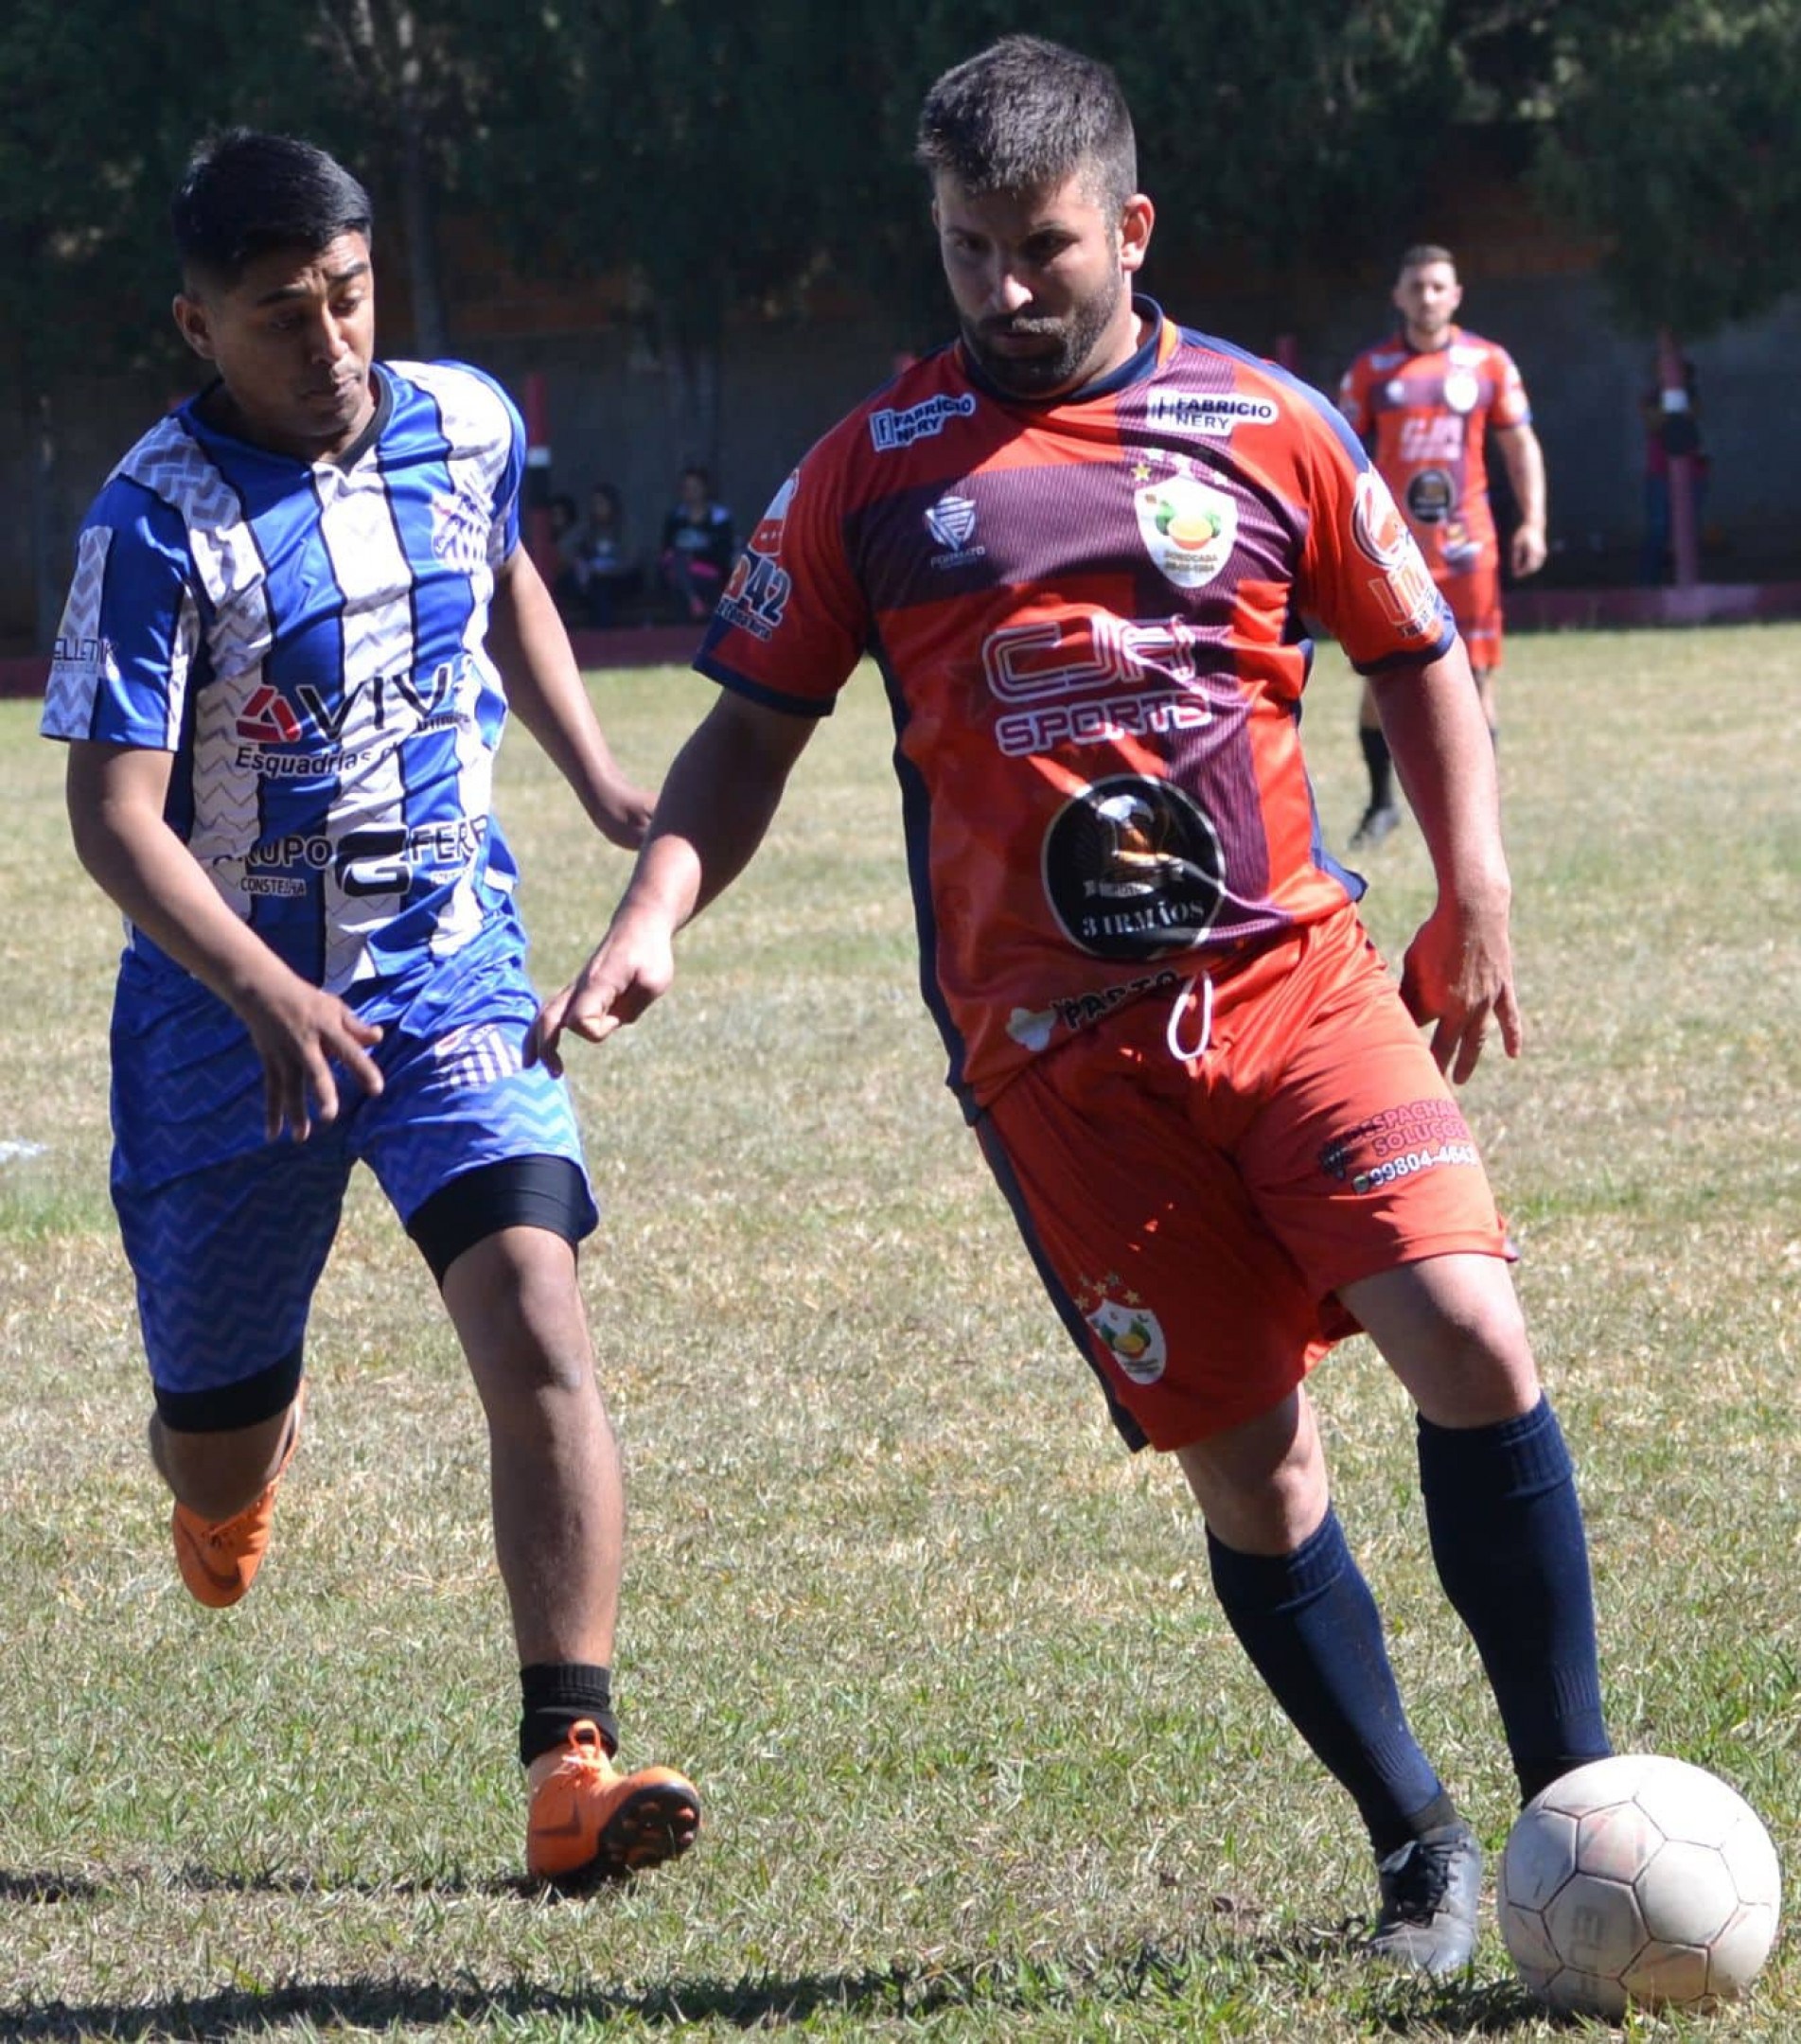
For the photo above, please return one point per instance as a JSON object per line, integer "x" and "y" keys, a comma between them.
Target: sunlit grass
{"x": 980, "y": 1759}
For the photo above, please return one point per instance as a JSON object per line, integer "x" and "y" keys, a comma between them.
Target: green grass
{"x": 979, "y": 1757}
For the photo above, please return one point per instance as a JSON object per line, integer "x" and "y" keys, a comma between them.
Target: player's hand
{"x": 300, "y": 1031}
{"x": 1458, "y": 976}
{"x": 1526, "y": 551}
{"x": 625, "y": 815}
{"x": 633, "y": 966}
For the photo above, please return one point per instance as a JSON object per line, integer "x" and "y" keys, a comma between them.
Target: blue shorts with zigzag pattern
{"x": 226, "y": 1232}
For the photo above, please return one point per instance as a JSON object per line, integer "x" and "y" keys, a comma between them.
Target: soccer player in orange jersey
{"x": 1078, "y": 543}
{"x": 1424, "y": 401}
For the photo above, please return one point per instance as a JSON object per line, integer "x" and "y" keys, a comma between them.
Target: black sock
{"x": 557, "y": 1694}
{"x": 1507, "y": 1536}
{"x": 1376, "y": 758}
{"x": 1310, "y": 1627}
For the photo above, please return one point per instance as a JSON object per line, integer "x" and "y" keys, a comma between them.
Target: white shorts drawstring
{"x": 1173, "y": 1036}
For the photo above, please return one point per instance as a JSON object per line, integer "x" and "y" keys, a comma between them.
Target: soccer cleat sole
{"x": 652, "y": 1826}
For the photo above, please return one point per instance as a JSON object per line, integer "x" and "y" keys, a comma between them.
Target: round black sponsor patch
{"x": 1133, "y": 868}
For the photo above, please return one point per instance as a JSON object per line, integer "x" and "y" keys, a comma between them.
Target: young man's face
{"x": 292, "y": 339}
{"x": 1041, "y": 280}
{"x": 1427, "y": 297}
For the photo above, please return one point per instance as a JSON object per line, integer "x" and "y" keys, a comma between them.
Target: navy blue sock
{"x": 1379, "y": 765}
{"x": 1310, "y": 1627}
{"x": 1507, "y": 1536}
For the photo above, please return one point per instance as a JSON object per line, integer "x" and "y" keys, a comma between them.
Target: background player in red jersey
{"x": 1078, "y": 542}
{"x": 1424, "y": 401}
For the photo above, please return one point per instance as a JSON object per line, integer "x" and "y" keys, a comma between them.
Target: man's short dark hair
{"x": 1423, "y": 252}
{"x": 246, "y": 193}
{"x": 1025, "y": 115}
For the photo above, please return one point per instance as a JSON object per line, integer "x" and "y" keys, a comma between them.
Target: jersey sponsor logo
{"x": 888, "y": 429}
{"x": 1033, "y": 1028}
{"x": 1133, "y": 868}
{"x": 1092, "y": 678}
{"x": 398, "y": 704}
{"x": 1400, "y": 1142}
{"x": 756, "y": 598}
{"x": 767, "y": 538}
{"x": 1189, "y": 528}
{"x": 267, "y": 720}
{"x": 1215, "y": 413}
{"x": 446, "y": 846}
{"x": 84, "y": 657}
{"x": 461, "y": 524}
{"x": 1437, "y": 437}
{"x": 1431, "y": 497}
{"x": 1125, "y": 1326}
{"x": 1377, "y": 528}
{"x": 951, "y": 521}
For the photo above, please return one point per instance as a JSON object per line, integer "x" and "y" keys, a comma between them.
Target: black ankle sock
{"x": 1376, "y": 758}
{"x": 557, "y": 1694}
{"x": 1310, "y": 1627}
{"x": 1506, "y": 1537}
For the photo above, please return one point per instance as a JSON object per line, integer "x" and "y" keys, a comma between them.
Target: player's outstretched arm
{"x": 115, "y": 797}
{"x": 715, "y": 806}
{"x": 531, "y": 648}
{"x": 1458, "y": 971}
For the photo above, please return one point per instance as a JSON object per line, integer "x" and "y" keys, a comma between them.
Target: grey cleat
{"x": 1431, "y": 1893}
{"x": 1380, "y": 820}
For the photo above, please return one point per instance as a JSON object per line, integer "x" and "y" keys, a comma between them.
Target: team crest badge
{"x": 1132, "y": 1332}
{"x": 1460, "y": 390}
{"x": 1188, "y": 528}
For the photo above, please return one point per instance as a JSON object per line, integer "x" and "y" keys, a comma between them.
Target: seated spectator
{"x": 606, "y": 575}
{"x": 564, "y": 587}
{"x": 698, "y": 547}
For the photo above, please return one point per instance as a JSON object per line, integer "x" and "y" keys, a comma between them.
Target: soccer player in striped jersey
{"x": 1079, "y": 544}
{"x": 299, "y": 616}
{"x": 1423, "y": 401}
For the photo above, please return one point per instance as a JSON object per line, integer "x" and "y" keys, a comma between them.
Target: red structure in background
{"x": 539, "y": 541}
{"x": 1685, "y": 540}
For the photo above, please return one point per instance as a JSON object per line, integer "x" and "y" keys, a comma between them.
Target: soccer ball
{"x": 1638, "y": 1878}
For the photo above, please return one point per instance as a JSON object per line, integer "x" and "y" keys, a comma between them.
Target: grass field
{"x": 979, "y": 1757}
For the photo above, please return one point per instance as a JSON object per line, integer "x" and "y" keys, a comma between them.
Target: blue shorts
{"x": 226, "y": 1232}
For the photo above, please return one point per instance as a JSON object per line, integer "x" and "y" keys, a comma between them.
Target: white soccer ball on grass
{"x": 1638, "y": 1878}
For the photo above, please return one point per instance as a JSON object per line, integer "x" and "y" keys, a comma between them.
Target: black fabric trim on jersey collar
{"x": 1136, "y": 367}
{"x": 198, "y": 405}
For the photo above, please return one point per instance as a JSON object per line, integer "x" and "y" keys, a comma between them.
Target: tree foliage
{"x": 719, "y": 157}
{"x": 1678, "y": 137}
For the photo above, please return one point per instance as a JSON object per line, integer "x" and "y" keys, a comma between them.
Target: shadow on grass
{"x": 1174, "y": 1980}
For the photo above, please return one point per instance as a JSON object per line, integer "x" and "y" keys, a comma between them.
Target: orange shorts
{"x": 1194, "y": 1217}
{"x": 1474, "y": 597}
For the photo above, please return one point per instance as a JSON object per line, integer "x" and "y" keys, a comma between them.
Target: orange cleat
{"x": 589, "y": 1823}
{"x": 219, "y": 1559}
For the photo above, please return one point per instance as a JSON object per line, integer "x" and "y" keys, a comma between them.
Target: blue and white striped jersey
{"x": 308, "y": 642}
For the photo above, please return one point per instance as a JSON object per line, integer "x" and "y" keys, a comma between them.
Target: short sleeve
{"x": 130, "y": 630}
{"x": 502, "y": 536}
{"x": 793, "y": 621}
{"x": 1354, "y": 397}
{"x": 1362, "y": 574}
{"x": 1511, "y": 406}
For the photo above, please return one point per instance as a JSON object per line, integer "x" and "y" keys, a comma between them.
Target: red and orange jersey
{"x": 1087, "y": 614}
{"x": 1425, "y": 416}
